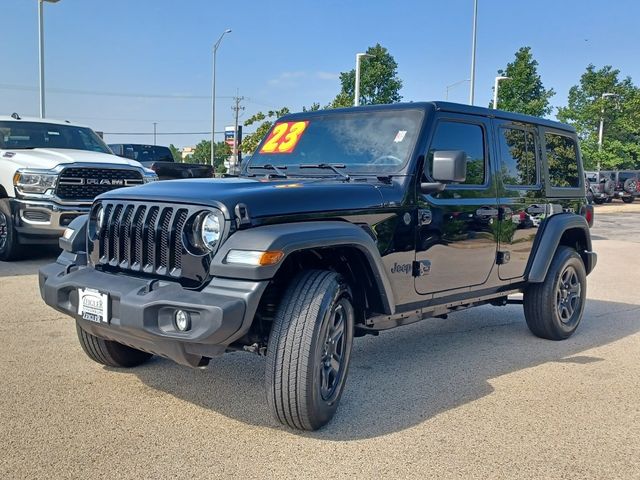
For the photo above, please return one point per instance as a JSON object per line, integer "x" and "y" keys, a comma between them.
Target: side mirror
{"x": 449, "y": 166}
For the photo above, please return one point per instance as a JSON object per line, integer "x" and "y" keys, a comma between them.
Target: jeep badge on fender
{"x": 343, "y": 223}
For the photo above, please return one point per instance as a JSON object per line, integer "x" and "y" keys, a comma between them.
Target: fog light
{"x": 183, "y": 320}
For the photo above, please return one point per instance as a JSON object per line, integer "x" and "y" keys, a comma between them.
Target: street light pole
{"x": 473, "y": 53}
{"x": 496, "y": 83}
{"x": 213, "y": 99}
{"x": 601, "y": 130}
{"x": 446, "y": 95}
{"x": 356, "y": 95}
{"x": 41, "y": 52}
{"x": 154, "y": 132}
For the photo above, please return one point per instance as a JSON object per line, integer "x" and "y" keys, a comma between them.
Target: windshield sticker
{"x": 284, "y": 137}
{"x": 400, "y": 136}
{"x": 53, "y": 133}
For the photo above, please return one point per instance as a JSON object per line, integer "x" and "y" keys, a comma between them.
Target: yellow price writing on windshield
{"x": 284, "y": 137}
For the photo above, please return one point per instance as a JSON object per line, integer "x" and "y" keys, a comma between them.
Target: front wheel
{"x": 553, "y": 309}
{"x": 109, "y": 353}
{"x": 598, "y": 201}
{"x": 10, "y": 248}
{"x": 309, "y": 350}
{"x": 628, "y": 199}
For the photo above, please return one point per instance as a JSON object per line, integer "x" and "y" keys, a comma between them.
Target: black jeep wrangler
{"x": 343, "y": 223}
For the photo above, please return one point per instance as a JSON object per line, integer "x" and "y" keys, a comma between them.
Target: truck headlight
{"x": 35, "y": 182}
{"x": 206, "y": 230}
{"x": 149, "y": 176}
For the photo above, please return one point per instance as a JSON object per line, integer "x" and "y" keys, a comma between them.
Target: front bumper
{"x": 142, "y": 310}
{"x": 39, "y": 221}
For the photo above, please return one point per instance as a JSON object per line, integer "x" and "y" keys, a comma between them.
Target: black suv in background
{"x": 343, "y": 223}
{"x": 160, "y": 160}
{"x": 626, "y": 185}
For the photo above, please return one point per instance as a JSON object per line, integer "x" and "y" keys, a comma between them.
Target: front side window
{"x": 562, "y": 157}
{"x": 518, "y": 164}
{"x": 466, "y": 137}
{"x": 20, "y": 135}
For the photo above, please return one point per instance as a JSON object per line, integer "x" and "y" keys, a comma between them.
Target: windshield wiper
{"x": 329, "y": 166}
{"x": 269, "y": 166}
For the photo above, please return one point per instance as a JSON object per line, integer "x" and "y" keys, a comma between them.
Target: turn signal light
{"x": 253, "y": 257}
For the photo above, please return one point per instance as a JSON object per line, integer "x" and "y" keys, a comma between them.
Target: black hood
{"x": 262, "y": 197}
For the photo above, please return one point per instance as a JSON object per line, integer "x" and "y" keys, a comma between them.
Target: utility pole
{"x": 236, "y": 108}
{"x": 472, "y": 82}
{"x": 154, "y": 132}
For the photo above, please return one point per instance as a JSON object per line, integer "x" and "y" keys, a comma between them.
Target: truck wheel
{"x": 10, "y": 249}
{"x": 309, "y": 350}
{"x": 598, "y": 201}
{"x": 553, "y": 309}
{"x": 628, "y": 199}
{"x": 109, "y": 353}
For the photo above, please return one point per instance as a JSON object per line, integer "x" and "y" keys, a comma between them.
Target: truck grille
{"x": 148, "y": 238}
{"x": 86, "y": 183}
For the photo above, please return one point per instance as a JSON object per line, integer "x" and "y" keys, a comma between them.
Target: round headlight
{"x": 207, "y": 230}
{"x": 100, "y": 218}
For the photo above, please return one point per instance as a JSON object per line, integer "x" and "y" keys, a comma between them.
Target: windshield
{"x": 20, "y": 135}
{"x": 143, "y": 153}
{"x": 364, "y": 142}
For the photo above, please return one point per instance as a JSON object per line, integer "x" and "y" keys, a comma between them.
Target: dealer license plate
{"x": 93, "y": 305}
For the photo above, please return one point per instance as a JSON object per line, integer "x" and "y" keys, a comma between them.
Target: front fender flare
{"x": 292, "y": 237}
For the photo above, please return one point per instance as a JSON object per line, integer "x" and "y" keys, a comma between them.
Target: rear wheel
{"x": 309, "y": 350}
{"x": 553, "y": 309}
{"x": 107, "y": 352}
{"x": 598, "y": 201}
{"x": 628, "y": 199}
{"x": 10, "y": 249}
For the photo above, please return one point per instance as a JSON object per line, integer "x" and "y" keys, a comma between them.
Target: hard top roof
{"x": 447, "y": 107}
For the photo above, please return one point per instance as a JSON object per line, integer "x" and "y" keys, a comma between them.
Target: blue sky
{"x": 286, "y": 53}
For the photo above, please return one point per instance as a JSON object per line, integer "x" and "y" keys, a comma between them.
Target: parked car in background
{"x": 50, "y": 172}
{"x": 159, "y": 159}
{"x": 602, "y": 186}
{"x": 626, "y": 185}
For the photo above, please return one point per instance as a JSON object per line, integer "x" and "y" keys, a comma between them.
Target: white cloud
{"x": 287, "y": 79}
{"x": 327, "y": 75}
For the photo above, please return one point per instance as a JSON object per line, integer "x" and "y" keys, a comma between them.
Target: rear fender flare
{"x": 549, "y": 239}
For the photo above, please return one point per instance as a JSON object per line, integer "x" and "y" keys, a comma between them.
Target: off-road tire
{"x": 546, "y": 303}
{"x": 10, "y": 248}
{"x": 628, "y": 199}
{"x": 109, "y": 353}
{"x": 297, "y": 353}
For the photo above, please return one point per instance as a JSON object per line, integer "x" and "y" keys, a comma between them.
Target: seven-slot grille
{"x": 86, "y": 183}
{"x": 142, "y": 237}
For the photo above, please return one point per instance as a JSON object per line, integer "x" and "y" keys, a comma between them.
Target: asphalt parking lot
{"x": 474, "y": 396}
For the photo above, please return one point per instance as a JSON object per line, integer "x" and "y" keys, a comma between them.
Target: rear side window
{"x": 466, "y": 137}
{"x": 518, "y": 164}
{"x": 562, "y": 157}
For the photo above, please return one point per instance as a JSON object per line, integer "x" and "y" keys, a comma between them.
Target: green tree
{"x": 175, "y": 153}
{"x": 584, "y": 110}
{"x": 524, "y": 91}
{"x": 202, "y": 154}
{"x": 264, "y": 121}
{"x": 379, "y": 81}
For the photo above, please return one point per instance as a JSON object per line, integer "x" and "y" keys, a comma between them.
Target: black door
{"x": 521, "y": 196}
{"x": 456, "y": 233}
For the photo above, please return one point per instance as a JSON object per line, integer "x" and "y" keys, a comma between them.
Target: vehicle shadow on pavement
{"x": 34, "y": 257}
{"x": 405, "y": 376}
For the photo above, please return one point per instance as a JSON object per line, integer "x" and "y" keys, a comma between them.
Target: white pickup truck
{"x": 50, "y": 172}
